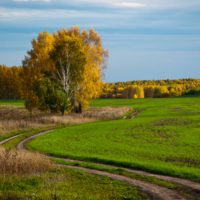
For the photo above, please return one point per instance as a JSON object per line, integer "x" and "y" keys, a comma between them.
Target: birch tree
{"x": 70, "y": 61}
{"x": 75, "y": 58}
{"x": 97, "y": 57}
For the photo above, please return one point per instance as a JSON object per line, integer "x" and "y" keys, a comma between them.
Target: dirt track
{"x": 187, "y": 183}
{"x": 10, "y": 138}
{"x": 154, "y": 191}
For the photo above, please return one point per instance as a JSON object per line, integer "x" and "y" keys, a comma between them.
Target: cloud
{"x": 26, "y": 14}
{"x": 101, "y": 3}
{"x": 115, "y": 3}
{"x": 128, "y": 5}
{"x": 164, "y": 4}
{"x": 31, "y": 0}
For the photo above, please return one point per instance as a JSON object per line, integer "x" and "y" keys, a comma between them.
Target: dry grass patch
{"x": 39, "y": 122}
{"x": 14, "y": 162}
{"x": 16, "y": 112}
{"x": 18, "y": 118}
{"x": 106, "y": 112}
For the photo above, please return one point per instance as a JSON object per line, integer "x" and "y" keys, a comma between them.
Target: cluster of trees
{"x": 193, "y": 91}
{"x": 146, "y": 89}
{"x": 59, "y": 68}
{"x": 12, "y": 83}
{"x": 69, "y": 64}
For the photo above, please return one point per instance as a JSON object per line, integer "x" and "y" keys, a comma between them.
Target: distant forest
{"x": 14, "y": 84}
{"x": 147, "y": 88}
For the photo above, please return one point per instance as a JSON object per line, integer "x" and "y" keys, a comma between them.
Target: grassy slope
{"x": 164, "y": 139}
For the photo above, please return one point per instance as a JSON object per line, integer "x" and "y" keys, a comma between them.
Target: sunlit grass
{"x": 66, "y": 184}
{"x": 11, "y": 102}
{"x": 164, "y": 139}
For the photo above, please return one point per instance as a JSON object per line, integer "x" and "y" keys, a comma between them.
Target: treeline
{"x": 147, "y": 89}
{"x": 193, "y": 91}
{"x": 12, "y": 83}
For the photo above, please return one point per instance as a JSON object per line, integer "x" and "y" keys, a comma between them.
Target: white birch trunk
{"x": 63, "y": 76}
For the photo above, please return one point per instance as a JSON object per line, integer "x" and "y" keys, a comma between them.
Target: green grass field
{"x": 163, "y": 139}
{"x": 11, "y": 102}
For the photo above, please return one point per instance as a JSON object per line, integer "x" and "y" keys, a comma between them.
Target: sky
{"x": 146, "y": 39}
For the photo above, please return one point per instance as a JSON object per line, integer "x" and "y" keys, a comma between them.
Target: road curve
{"x": 10, "y": 138}
{"x": 187, "y": 183}
{"x": 156, "y": 192}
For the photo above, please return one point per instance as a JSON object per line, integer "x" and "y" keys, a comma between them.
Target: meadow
{"x": 163, "y": 139}
{"x": 29, "y": 176}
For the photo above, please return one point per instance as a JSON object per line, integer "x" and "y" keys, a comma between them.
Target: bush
{"x": 193, "y": 91}
{"x": 163, "y": 95}
{"x": 12, "y": 162}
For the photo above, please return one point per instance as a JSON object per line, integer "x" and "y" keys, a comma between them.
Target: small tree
{"x": 149, "y": 92}
{"x": 50, "y": 96}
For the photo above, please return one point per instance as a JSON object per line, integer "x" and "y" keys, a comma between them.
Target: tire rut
{"x": 187, "y": 183}
{"x": 154, "y": 191}
{"x": 10, "y": 138}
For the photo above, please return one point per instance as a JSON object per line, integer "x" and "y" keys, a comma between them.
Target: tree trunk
{"x": 75, "y": 106}
{"x": 80, "y": 108}
{"x": 63, "y": 112}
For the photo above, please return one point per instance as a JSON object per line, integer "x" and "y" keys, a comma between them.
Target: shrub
{"x": 193, "y": 91}
{"x": 22, "y": 162}
{"x": 163, "y": 95}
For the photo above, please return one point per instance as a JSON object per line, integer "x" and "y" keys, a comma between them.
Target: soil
{"x": 10, "y": 138}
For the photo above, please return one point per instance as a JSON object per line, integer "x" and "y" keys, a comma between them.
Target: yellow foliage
{"x": 38, "y": 63}
{"x": 135, "y": 96}
{"x": 92, "y": 83}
